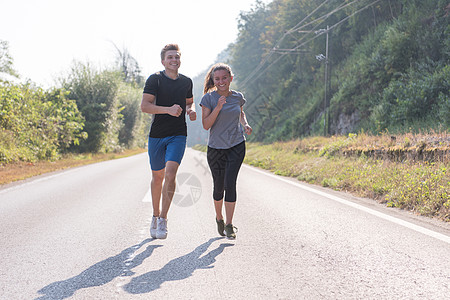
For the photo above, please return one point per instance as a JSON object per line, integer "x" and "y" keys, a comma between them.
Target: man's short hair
{"x": 167, "y": 48}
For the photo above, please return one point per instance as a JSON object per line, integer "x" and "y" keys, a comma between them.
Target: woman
{"x": 222, "y": 115}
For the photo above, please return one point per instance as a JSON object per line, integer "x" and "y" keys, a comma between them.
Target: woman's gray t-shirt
{"x": 226, "y": 131}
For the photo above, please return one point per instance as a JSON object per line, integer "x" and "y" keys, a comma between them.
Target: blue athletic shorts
{"x": 162, "y": 150}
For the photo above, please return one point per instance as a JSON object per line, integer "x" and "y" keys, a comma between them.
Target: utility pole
{"x": 320, "y": 57}
{"x": 326, "y": 118}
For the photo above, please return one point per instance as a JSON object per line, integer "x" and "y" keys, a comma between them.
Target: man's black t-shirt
{"x": 169, "y": 92}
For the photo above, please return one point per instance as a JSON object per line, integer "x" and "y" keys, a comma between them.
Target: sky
{"x": 46, "y": 36}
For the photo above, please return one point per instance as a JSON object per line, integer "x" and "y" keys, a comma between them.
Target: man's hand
{"x": 175, "y": 110}
{"x": 192, "y": 114}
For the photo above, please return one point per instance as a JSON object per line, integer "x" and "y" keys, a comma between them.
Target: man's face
{"x": 172, "y": 60}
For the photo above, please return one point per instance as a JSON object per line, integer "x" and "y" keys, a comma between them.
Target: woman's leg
{"x": 218, "y": 208}
{"x": 235, "y": 158}
{"x": 216, "y": 161}
{"x": 229, "y": 212}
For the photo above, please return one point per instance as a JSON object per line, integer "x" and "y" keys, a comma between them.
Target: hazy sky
{"x": 45, "y": 36}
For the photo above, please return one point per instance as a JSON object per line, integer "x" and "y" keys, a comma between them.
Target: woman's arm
{"x": 243, "y": 119}
{"x": 208, "y": 116}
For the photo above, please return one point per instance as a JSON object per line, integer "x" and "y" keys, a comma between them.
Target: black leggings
{"x": 225, "y": 165}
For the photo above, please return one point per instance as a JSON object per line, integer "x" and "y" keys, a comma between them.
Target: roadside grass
{"x": 410, "y": 171}
{"x": 418, "y": 183}
{"x": 23, "y": 170}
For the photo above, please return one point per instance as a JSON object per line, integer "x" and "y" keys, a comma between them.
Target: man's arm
{"x": 190, "y": 109}
{"x": 148, "y": 106}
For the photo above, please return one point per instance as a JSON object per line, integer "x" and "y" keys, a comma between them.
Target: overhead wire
{"x": 316, "y": 9}
{"x": 261, "y": 64}
{"x": 325, "y": 16}
{"x": 251, "y": 77}
{"x": 266, "y": 58}
{"x": 346, "y": 18}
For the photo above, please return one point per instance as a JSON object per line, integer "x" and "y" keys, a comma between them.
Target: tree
{"x": 6, "y": 61}
{"x": 96, "y": 94}
{"x": 135, "y": 124}
{"x": 128, "y": 66}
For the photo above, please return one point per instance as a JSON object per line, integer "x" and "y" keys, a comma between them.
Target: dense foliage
{"x": 37, "y": 124}
{"x": 91, "y": 111}
{"x": 110, "y": 103}
{"x": 96, "y": 96}
{"x": 387, "y": 66}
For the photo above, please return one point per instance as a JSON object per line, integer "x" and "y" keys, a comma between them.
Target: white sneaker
{"x": 161, "y": 230}
{"x": 153, "y": 227}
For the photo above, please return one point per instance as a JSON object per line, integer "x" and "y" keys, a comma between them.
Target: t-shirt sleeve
{"x": 206, "y": 101}
{"x": 242, "y": 99}
{"x": 151, "y": 85}
{"x": 189, "y": 92}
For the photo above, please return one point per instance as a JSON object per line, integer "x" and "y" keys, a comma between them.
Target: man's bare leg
{"x": 169, "y": 186}
{"x": 156, "y": 189}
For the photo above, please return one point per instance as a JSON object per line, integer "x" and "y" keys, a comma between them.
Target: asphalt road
{"x": 84, "y": 234}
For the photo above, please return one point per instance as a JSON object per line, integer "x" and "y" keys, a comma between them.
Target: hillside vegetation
{"x": 387, "y": 67}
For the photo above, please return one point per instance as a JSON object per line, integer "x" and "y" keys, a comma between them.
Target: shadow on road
{"x": 177, "y": 269}
{"x": 100, "y": 273}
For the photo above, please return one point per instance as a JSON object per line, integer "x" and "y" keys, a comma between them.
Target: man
{"x": 168, "y": 96}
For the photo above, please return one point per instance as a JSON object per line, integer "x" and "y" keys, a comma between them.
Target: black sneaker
{"x": 221, "y": 227}
{"x": 229, "y": 231}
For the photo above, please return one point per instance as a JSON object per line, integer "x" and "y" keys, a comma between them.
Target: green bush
{"x": 36, "y": 124}
{"x": 417, "y": 97}
{"x": 96, "y": 94}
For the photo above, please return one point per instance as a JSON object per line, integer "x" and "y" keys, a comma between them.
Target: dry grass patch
{"x": 23, "y": 170}
{"x": 421, "y": 186}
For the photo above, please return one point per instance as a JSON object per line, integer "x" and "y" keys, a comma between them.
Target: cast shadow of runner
{"x": 100, "y": 273}
{"x": 177, "y": 269}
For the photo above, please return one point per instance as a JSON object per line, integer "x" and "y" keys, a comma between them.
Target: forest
{"x": 306, "y": 67}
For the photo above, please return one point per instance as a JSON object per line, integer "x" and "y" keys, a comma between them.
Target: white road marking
{"x": 148, "y": 196}
{"x": 395, "y": 220}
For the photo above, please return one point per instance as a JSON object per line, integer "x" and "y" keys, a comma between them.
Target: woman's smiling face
{"x": 222, "y": 80}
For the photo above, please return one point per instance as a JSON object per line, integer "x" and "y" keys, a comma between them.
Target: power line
{"x": 261, "y": 64}
{"x": 251, "y": 77}
{"x": 290, "y": 51}
{"x": 317, "y": 8}
{"x": 338, "y": 23}
{"x": 295, "y": 28}
{"x": 324, "y": 17}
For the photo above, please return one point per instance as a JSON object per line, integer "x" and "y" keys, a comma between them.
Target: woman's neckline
{"x": 230, "y": 92}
